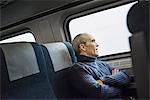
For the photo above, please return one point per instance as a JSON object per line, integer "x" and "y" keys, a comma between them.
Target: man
{"x": 93, "y": 78}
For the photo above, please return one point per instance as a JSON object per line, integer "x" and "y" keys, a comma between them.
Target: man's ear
{"x": 82, "y": 47}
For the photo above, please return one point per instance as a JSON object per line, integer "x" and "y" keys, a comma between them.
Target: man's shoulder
{"x": 78, "y": 65}
{"x": 81, "y": 65}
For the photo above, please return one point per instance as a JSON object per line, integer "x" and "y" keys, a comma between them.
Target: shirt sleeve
{"x": 121, "y": 79}
{"x": 83, "y": 81}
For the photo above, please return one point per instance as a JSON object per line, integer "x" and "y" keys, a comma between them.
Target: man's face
{"x": 90, "y": 47}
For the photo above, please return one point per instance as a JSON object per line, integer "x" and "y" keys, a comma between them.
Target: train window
{"x": 26, "y": 37}
{"x": 109, "y": 27}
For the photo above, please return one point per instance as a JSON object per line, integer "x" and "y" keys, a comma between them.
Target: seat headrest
{"x": 20, "y": 60}
{"x": 61, "y": 54}
{"x": 138, "y": 17}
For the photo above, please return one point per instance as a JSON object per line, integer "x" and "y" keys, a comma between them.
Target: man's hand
{"x": 114, "y": 71}
{"x": 99, "y": 82}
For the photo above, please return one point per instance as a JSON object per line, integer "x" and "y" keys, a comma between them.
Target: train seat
{"x": 59, "y": 58}
{"x": 138, "y": 25}
{"x": 23, "y": 72}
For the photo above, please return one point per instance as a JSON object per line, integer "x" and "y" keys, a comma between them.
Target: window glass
{"x": 26, "y": 37}
{"x": 109, "y": 28}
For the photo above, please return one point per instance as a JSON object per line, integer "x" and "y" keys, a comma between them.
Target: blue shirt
{"x": 88, "y": 69}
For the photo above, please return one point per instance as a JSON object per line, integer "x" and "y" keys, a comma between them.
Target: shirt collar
{"x": 82, "y": 58}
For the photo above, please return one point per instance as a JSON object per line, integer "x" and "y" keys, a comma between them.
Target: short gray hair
{"x": 79, "y": 39}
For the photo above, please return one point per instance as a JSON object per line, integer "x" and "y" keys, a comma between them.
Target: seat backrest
{"x": 138, "y": 24}
{"x": 59, "y": 58}
{"x": 23, "y": 72}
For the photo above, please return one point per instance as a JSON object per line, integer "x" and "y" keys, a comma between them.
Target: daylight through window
{"x": 26, "y": 37}
{"x": 109, "y": 28}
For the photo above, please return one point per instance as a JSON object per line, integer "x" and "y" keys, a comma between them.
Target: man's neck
{"x": 85, "y": 54}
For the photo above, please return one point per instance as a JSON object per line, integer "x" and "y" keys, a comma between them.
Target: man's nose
{"x": 97, "y": 45}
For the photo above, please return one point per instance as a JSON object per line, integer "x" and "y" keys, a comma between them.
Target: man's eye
{"x": 93, "y": 41}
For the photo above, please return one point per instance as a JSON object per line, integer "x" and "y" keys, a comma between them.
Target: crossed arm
{"x": 105, "y": 88}
{"x": 100, "y": 81}
{"x": 117, "y": 79}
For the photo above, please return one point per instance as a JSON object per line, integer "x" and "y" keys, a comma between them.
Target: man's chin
{"x": 96, "y": 55}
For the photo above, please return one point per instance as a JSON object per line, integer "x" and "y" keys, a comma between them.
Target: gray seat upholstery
{"x": 138, "y": 24}
{"x": 23, "y": 72}
{"x": 59, "y": 58}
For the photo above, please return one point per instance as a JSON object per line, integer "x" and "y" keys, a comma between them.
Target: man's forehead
{"x": 87, "y": 36}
